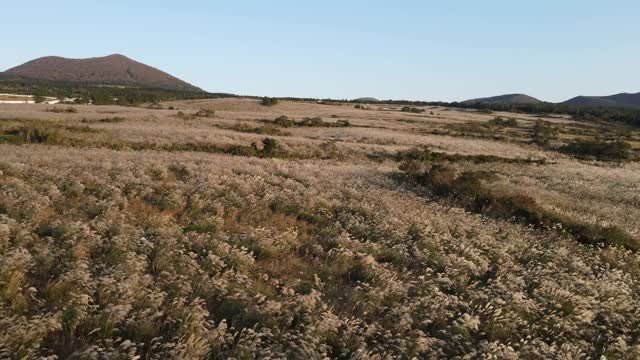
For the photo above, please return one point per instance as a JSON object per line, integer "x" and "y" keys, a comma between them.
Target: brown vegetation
{"x": 129, "y": 232}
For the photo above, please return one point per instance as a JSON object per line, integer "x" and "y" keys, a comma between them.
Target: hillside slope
{"x": 109, "y": 70}
{"x": 505, "y": 99}
{"x": 617, "y": 100}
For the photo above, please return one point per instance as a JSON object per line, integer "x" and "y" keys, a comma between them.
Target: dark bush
{"x": 70, "y": 110}
{"x": 241, "y": 150}
{"x": 263, "y": 130}
{"x": 343, "y": 123}
{"x": 412, "y": 109}
{"x": 304, "y": 287}
{"x": 39, "y": 98}
{"x": 270, "y": 146}
{"x": 359, "y": 273}
{"x": 50, "y": 230}
{"x": 499, "y": 121}
{"x": 284, "y": 121}
{"x": 601, "y": 150}
{"x": 269, "y": 101}
{"x": 421, "y": 154}
{"x": 115, "y": 119}
{"x": 441, "y": 179}
{"x": 544, "y": 132}
{"x": 425, "y": 155}
{"x": 311, "y": 122}
{"x": 32, "y": 135}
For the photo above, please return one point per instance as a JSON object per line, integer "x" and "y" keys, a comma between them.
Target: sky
{"x": 420, "y": 50}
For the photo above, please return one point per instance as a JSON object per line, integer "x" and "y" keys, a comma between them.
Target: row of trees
{"x": 99, "y": 95}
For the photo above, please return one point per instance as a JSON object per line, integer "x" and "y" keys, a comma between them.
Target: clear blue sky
{"x": 427, "y": 50}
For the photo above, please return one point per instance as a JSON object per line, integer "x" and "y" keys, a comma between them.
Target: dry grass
{"x": 143, "y": 237}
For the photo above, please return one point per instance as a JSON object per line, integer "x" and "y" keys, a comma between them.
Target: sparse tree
{"x": 544, "y": 132}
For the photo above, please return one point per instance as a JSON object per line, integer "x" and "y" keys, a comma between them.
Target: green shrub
{"x": 264, "y": 130}
{"x": 423, "y": 154}
{"x": 544, "y": 132}
{"x": 9, "y": 137}
{"x": 284, "y": 121}
{"x": 31, "y": 135}
{"x": 598, "y": 235}
{"x": 412, "y": 109}
{"x": 39, "y": 97}
{"x": 499, "y": 121}
{"x": 601, "y": 150}
{"x": 420, "y": 154}
{"x": 236, "y": 313}
{"x": 311, "y": 122}
{"x": 304, "y": 287}
{"x": 115, "y": 119}
{"x": 50, "y": 230}
{"x": 269, "y": 101}
{"x": 270, "y": 146}
{"x": 317, "y": 121}
{"x": 441, "y": 179}
{"x": 359, "y": 273}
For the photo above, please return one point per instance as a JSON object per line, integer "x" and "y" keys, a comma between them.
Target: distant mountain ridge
{"x": 365, "y": 99}
{"x": 617, "y": 100}
{"x": 108, "y": 70}
{"x": 622, "y": 100}
{"x": 505, "y": 99}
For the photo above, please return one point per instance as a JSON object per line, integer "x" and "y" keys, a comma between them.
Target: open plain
{"x": 228, "y": 229}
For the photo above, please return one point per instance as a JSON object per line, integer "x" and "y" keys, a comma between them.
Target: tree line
{"x": 84, "y": 93}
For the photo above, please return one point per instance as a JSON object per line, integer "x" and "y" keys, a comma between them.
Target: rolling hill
{"x": 366, "y": 100}
{"x": 618, "y": 100}
{"x": 115, "y": 69}
{"x": 622, "y": 100}
{"x": 505, "y": 99}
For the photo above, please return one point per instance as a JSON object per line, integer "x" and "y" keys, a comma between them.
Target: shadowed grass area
{"x": 262, "y": 130}
{"x": 36, "y": 132}
{"x": 600, "y": 150}
{"x": 286, "y": 122}
{"x": 424, "y": 154}
{"x": 468, "y": 189}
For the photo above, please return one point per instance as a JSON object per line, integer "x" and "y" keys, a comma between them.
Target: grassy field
{"x": 215, "y": 229}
